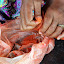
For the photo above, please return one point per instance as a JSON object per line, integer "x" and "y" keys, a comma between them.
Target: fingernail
{"x": 58, "y": 38}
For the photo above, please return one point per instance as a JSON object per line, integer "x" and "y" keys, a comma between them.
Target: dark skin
{"x": 53, "y": 16}
{"x": 27, "y": 13}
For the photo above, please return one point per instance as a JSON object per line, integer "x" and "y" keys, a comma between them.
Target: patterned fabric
{"x": 12, "y": 7}
{"x": 3, "y": 2}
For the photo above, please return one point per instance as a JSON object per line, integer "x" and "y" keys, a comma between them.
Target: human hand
{"x": 10, "y": 32}
{"x": 37, "y": 52}
{"x": 54, "y": 17}
{"x": 27, "y": 15}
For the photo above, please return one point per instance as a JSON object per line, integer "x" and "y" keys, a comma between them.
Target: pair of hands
{"x": 10, "y": 33}
{"x": 53, "y": 17}
{"x": 35, "y": 56}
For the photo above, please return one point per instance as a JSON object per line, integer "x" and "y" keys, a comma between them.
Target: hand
{"x": 37, "y": 53}
{"x": 53, "y": 17}
{"x": 26, "y": 14}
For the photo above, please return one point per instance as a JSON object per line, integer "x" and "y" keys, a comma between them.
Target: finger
{"x": 28, "y": 13}
{"x": 51, "y": 45}
{"x": 57, "y": 32}
{"x": 22, "y": 18}
{"x": 61, "y": 36}
{"x": 46, "y": 40}
{"x": 23, "y": 22}
{"x": 41, "y": 47}
{"x": 37, "y": 5}
{"x": 6, "y": 48}
{"x": 51, "y": 28}
{"x": 47, "y": 21}
{"x": 44, "y": 43}
{"x": 34, "y": 55}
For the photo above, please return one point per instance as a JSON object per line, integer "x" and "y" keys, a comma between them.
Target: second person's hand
{"x": 54, "y": 17}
